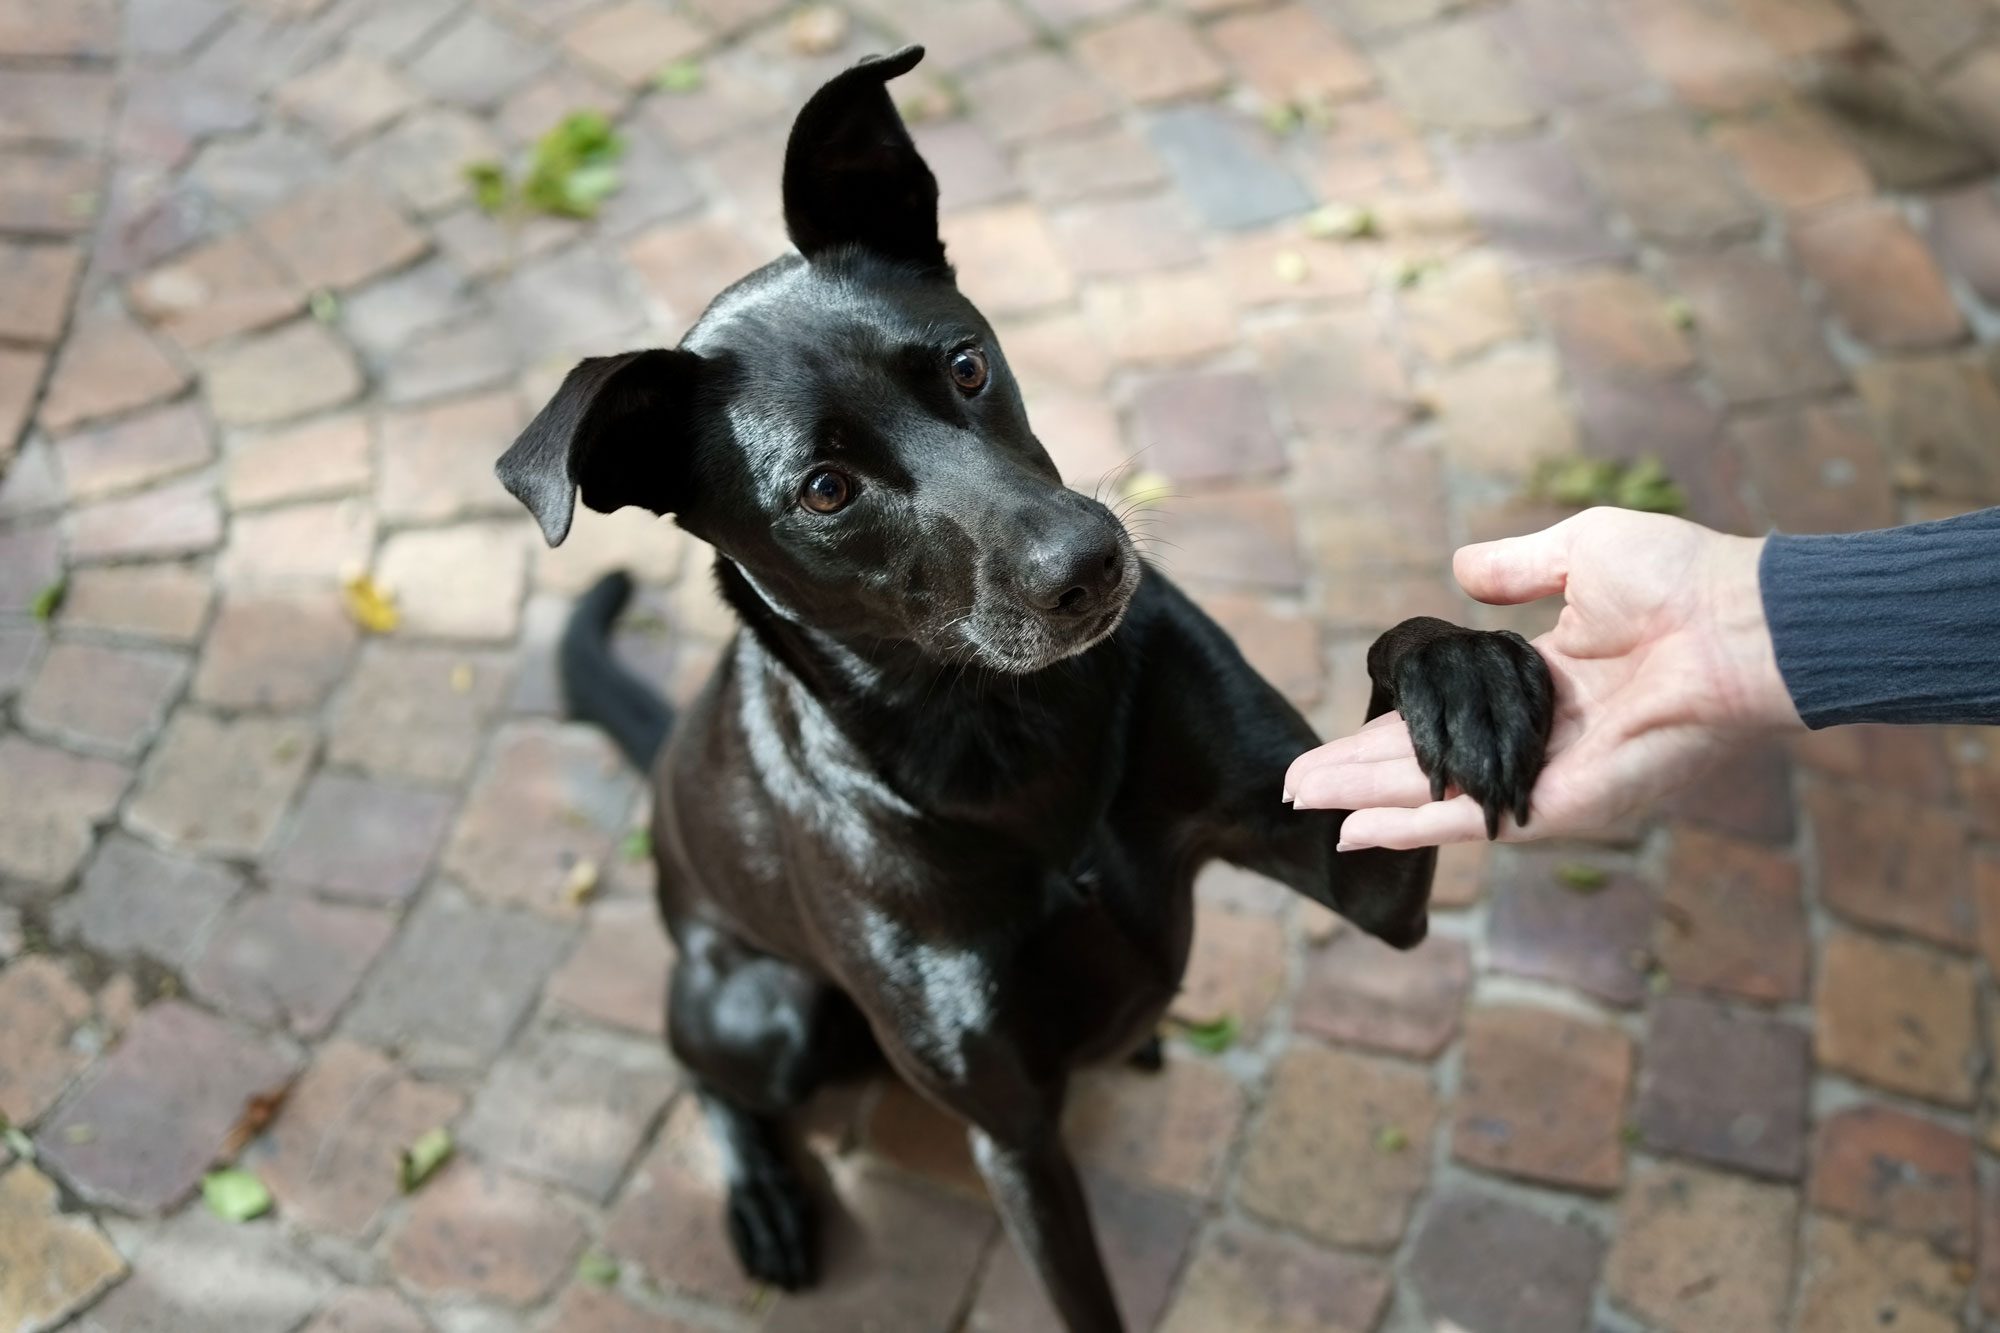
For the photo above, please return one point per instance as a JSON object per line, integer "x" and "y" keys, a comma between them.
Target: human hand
{"x": 1662, "y": 662}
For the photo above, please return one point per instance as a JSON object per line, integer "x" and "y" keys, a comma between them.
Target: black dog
{"x": 945, "y": 797}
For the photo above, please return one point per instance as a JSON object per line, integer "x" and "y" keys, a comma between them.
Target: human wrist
{"x": 1750, "y": 689}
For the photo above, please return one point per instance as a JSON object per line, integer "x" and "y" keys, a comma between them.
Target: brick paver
{"x": 1340, "y": 272}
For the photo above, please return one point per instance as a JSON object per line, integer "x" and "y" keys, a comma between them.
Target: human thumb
{"x": 1515, "y": 569}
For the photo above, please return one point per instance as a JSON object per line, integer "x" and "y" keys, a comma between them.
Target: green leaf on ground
{"x": 234, "y": 1195}
{"x": 325, "y": 306}
{"x": 1647, "y": 488}
{"x": 421, "y": 1160}
{"x": 1391, "y": 1138}
{"x": 49, "y": 600}
{"x": 683, "y": 76}
{"x": 573, "y": 171}
{"x": 1581, "y": 482}
{"x": 1342, "y": 222}
{"x": 1409, "y": 272}
{"x": 637, "y": 846}
{"x": 489, "y": 185}
{"x": 586, "y": 188}
{"x": 1282, "y": 118}
{"x": 598, "y": 1268}
{"x": 1581, "y": 878}
{"x": 16, "y": 1140}
{"x": 1214, "y": 1037}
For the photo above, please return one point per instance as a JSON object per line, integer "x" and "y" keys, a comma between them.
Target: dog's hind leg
{"x": 759, "y": 1035}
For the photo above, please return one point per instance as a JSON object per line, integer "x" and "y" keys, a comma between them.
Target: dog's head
{"x": 843, "y": 426}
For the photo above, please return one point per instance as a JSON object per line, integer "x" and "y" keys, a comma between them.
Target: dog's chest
{"x": 1081, "y": 979}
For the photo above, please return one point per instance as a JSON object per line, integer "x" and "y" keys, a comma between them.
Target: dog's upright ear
{"x": 853, "y": 176}
{"x": 616, "y": 429}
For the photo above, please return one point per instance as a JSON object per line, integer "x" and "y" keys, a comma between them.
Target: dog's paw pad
{"x": 1478, "y": 706}
{"x": 771, "y": 1227}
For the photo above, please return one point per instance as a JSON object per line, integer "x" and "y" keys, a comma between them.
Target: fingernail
{"x": 1287, "y": 797}
{"x": 1347, "y": 846}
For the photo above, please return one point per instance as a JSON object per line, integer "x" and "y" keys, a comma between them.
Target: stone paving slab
{"x": 1337, "y": 274}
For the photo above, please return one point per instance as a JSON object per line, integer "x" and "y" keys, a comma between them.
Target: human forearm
{"x": 1900, "y": 626}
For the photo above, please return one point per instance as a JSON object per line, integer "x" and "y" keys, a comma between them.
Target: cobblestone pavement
{"x": 1725, "y": 1073}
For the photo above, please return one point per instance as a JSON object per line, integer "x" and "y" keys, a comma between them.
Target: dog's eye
{"x": 968, "y": 370}
{"x": 826, "y": 491}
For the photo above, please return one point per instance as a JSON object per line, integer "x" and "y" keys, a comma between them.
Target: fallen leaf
{"x": 16, "y": 1141}
{"x": 255, "y": 1118}
{"x": 490, "y": 189}
{"x": 1645, "y": 486}
{"x": 325, "y": 306}
{"x": 1580, "y": 482}
{"x": 49, "y": 600}
{"x": 1282, "y": 118}
{"x": 638, "y": 845}
{"x": 420, "y": 1161}
{"x": 1342, "y": 222}
{"x": 683, "y": 76}
{"x": 234, "y": 1195}
{"x": 1582, "y": 878}
{"x": 1147, "y": 487}
{"x": 817, "y": 29}
{"x": 1409, "y": 272}
{"x": 1680, "y": 313}
{"x": 1391, "y": 1138}
{"x": 370, "y": 606}
{"x": 580, "y": 885}
{"x": 598, "y": 1268}
{"x": 929, "y": 99}
{"x": 586, "y": 188}
{"x": 1212, "y": 1038}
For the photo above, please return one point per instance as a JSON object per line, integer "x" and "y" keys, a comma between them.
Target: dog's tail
{"x": 596, "y": 686}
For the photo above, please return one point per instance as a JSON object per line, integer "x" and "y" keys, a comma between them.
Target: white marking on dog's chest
{"x": 954, "y": 993}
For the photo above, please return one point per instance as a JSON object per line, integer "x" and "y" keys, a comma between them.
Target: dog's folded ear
{"x": 853, "y": 175}
{"x": 616, "y": 429}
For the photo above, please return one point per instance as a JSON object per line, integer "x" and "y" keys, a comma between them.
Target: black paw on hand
{"x": 1478, "y": 706}
{"x": 771, "y": 1226}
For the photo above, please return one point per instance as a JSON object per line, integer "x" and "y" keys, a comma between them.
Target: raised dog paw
{"x": 771, "y": 1227}
{"x": 1478, "y": 705}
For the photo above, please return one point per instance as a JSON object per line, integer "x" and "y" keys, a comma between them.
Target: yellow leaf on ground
{"x": 371, "y": 606}
{"x": 581, "y": 883}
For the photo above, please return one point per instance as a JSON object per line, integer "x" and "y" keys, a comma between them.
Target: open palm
{"x": 1661, "y": 659}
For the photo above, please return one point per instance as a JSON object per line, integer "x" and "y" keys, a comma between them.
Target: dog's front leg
{"x": 1217, "y": 740}
{"x": 1478, "y": 705}
{"x": 1041, "y": 1201}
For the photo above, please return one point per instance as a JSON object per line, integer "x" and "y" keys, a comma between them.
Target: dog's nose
{"x": 1070, "y": 575}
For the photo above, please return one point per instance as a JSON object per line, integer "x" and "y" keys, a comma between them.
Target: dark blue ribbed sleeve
{"x": 1901, "y": 625}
